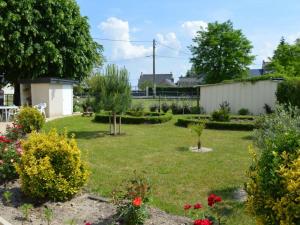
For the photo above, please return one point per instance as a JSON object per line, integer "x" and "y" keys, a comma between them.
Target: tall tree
{"x": 221, "y": 52}
{"x": 286, "y": 59}
{"x": 46, "y": 38}
{"x": 115, "y": 93}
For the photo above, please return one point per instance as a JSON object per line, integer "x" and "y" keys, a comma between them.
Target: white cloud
{"x": 293, "y": 37}
{"x": 170, "y": 40}
{"x": 191, "y": 27}
{"x": 115, "y": 28}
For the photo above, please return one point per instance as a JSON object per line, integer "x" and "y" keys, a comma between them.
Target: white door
{"x": 67, "y": 94}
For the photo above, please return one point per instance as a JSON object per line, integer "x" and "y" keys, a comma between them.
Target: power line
{"x": 134, "y": 58}
{"x": 174, "y": 49}
{"x": 170, "y": 57}
{"x": 119, "y": 40}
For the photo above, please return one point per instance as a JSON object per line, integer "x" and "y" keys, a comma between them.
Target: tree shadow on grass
{"x": 106, "y": 221}
{"x": 182, "y": 149}
{"x": 88, "y": 134}
{"x": 248, "y": 137}
{"x": 231, "y": 199}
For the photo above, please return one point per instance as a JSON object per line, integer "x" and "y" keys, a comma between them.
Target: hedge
{"x": 184, "y": 122}
{"x": 128, "y": 119}
{"x": 234, "y": 117}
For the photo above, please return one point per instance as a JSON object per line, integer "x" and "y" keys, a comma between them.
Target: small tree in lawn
{"x": 116, "y": 93}
{"x": 198, "y": 129}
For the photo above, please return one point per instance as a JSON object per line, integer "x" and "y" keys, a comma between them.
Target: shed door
{"x": 67, "y": 94}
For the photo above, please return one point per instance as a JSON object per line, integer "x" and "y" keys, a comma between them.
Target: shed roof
{"x": 48, "y": 80}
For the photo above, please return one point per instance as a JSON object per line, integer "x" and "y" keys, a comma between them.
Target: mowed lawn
{"x": 178, "y": 176}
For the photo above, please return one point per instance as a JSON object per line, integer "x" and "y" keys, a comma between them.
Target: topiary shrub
{"x": 220, "y": 116}
{"x": 51, "y": 166}
{"x": 243, "y": 112}
{"x": 165, "y": 107}
{"x": 30, "y": 119}
{"x": 153, "y": 108}
{"x": 273, "y": 185}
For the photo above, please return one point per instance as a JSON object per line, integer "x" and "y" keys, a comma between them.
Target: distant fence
{"x": 170, "y": 92}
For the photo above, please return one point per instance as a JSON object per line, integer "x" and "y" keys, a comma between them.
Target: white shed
{"x": 250, "y": 95}
{"x": 56, "y": 93}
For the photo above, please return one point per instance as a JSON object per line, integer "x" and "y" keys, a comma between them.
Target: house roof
{"x": 189, "y": 81}
{"x": 159, "y": 78}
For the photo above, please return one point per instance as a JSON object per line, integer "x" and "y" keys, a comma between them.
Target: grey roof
{"x": 256, "y": 72}
{"x": 189, "y": 81}
{"x": 166, "y": 79}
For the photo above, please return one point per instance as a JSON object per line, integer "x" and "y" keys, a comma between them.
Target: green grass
{"x": 178, "y": 176}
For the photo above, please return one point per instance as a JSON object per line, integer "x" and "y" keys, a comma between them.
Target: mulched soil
{"x": 83, "y": 207}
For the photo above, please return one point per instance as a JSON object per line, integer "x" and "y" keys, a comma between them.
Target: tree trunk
{"x": 115, "y": 123}
{"x": 120, "y": 122}
{"x": 109, "y": 117}
{"x": 199, "y": 144}
{"x": 17, "y": 97}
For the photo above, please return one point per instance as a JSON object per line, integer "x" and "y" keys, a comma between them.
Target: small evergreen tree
{"x": 115, "y": 93}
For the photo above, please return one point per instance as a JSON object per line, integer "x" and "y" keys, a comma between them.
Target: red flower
{"x": 203, "y": 222}
{"x": 87, "y": 223}
{"x": 187, "y": 206}
{"x": 197, "y": 206}
{"x": 137, "y": 201}
{"x": 212, "y": 199}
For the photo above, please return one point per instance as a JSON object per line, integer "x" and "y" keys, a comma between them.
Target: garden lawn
{"x": 178, "y": 176}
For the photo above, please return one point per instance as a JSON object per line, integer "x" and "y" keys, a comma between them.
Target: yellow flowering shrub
{"x": 30, "y": 119}
{"x": 51, "y": 166}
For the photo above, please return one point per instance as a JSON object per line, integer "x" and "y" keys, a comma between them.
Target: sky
{"x": 173, "y": 23}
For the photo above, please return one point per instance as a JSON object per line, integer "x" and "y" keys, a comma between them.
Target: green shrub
{"x": 243, "y": 112}
{"x": 273, "y": 185}
{"x": 30, "y": 119}
{"x": 288, "y": 92}
{"x": 137, "y": 109}
{"x": 165, "y": 107}
{"x": 51, "y": 166}
{"x": 220, "y": 116}
{"x": 176, "y": 108}
{"x": 147, "y": 118}
{"x": 153, "y": 107}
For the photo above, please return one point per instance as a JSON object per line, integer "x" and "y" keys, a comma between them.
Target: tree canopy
{"x": 46, "y": 38}
{"x": 286, "y": 59}
{"x": 221, "y": 53}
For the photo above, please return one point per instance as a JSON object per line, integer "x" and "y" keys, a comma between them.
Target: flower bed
{"x": 233, "y": 125}
{"x": 147, "y": 118}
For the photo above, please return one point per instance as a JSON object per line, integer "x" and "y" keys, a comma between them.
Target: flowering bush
{"x": 200, "y": 216}
{"x": 10, "y": 153}
{"x": 131, "y": 200}
{"x": 14, "y": 132}
{"x": 51, "y": 166}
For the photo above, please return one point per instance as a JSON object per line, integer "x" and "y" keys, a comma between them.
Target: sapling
{"x": 26, "y": 209}
{"x": 7, "y": 195}
{"x": 48, "y": 214}
{"x": 198, "y": 129}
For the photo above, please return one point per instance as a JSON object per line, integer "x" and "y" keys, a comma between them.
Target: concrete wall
{"x": 252, "y": 96}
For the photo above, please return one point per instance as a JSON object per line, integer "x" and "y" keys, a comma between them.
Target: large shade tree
{"x": 221, "y": 53}
{"x": 286, "y": 59}
{"x": 115, "y": 93}
{"x": 46, "y": 38}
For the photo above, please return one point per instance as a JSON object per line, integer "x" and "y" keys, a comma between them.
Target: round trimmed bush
{"x": 30, "y": 119}
{"x": 51, "y": 166}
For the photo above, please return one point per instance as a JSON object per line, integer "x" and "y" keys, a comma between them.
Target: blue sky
{"x": 173, "y": 23}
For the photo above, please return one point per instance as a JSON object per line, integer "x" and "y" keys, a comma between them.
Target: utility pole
{"x": 153, "y": 56}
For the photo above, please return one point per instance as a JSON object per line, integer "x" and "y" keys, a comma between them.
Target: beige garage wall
{"x": 252, "y": 96}
{"x": 56, "y": 100}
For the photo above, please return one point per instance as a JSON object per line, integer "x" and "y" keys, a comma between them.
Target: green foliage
{"x": 48, "y": 215}
{"x": 137, "y": 109}
{"x": 146, "y": 118}
{"x": 131, "y": 199}
{"x": 30, "y": 119}
{"x": 243, "y": 112}
{"x": 222, "y": 115}
{"x": 286, "y": 59}
{"x": 153, "y": 107}
{"x": 7, "y": 197}
{"x": 221, "y": 52}
{"x": 145, "y": 84}
{"x": 26, "y": 210}
{"x": 10, "y": 153}
{"x": 272, "y": 184}
{"x": 165, "y": 107}
{"x": 51, "y": 166}
{"x": 14, "y": 132}
{"x": 45, "y": 38}
{"x": 288, "y": 92}
{"x": 198, "y": 128}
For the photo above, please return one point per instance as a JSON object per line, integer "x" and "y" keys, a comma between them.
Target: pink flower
{"x": 203, "y": 222}
{"x": 1, "y": 162}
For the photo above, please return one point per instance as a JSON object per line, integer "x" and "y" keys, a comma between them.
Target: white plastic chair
{"x": 41, "y": 107}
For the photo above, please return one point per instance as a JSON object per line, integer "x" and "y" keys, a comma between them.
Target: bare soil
{"x": 82, "y": 208}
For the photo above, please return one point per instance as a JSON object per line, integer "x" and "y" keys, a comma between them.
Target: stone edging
{"x": 3, "y": 221}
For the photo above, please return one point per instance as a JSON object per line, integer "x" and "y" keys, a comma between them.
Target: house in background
{"x": 160, "y": 80}
{"x": 56, "y": 93}
{"x": 259, "y": 72}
